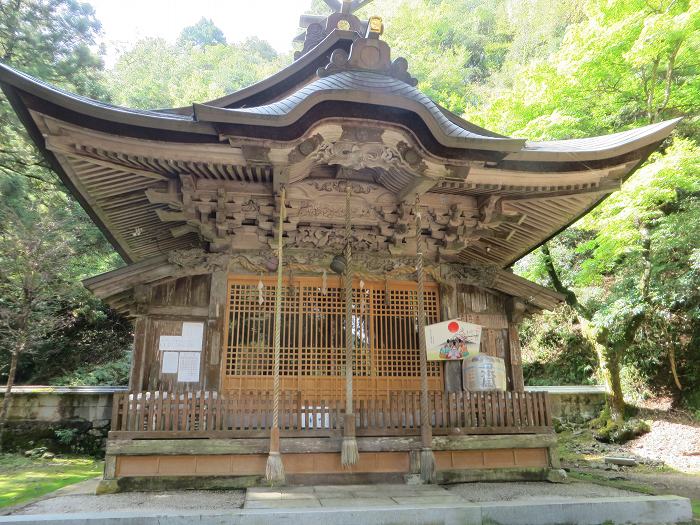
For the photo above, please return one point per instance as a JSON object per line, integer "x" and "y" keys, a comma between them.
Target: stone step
{"x": 642, "y": 510}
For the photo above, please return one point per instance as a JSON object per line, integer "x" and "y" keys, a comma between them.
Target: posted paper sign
{"x": 190, "y": 340}
{"x": 170, "y": 360}
{"x": 182, "y": 353}
{"x": 188, "y": 367}
{"x": 452, "y": 340}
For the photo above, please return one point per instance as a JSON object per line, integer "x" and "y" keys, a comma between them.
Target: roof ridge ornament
{"x": 369, "y": 54}
{"x": 319, "y": 27}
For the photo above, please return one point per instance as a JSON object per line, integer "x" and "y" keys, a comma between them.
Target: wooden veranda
{"x": 248, "y": 414}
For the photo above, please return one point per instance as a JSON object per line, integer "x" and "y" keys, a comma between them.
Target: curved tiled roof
{"x": 592, "y": 147}
{"x": 364, "y": 87}
{"x": 346, "y": 94}
{"x": 95, "y": 108}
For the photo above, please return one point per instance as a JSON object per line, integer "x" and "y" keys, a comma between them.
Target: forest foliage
{"x": 540, "y": 69}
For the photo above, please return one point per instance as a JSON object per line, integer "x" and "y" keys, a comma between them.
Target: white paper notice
{"x": 188, "y": 367}
{"x": 170, "y": 360}
{"x": 190, "y": 341}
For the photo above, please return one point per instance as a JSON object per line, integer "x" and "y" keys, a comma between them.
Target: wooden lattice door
{"x": 313, "y": 336}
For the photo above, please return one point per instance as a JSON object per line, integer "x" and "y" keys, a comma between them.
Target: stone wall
{"x": 574, "y": 403}
{"x": 62, "y": 419}
{"x": 76, "y": 419}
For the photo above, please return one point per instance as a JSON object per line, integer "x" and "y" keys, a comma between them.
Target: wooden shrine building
{"x": 240, "y": 351}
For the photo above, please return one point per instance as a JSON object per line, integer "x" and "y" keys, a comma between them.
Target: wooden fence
{"x": 204, "y": 414}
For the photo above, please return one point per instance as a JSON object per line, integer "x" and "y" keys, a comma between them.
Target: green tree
{"x": 34, "y": 255}
{"x": 629, "y": 63}
{"x": 203, "y": 33}
{"x": 452, "y": 46}
{"x": 155, "y": 74}
{"x": 630, "y": 282}
{"x": 55, "y": 40}
{"x": 629, "y": 270}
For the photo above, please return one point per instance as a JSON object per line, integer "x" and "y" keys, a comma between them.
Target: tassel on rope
{"x": 261, "y": 288}
{"x": 349, "y": 454}
{"x": 427, "y": 459}
{"x": 274, "y": 470}
{"x": 363, "y": 305}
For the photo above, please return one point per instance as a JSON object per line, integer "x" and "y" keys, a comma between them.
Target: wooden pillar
{"x": 138, "y": 376}
{"x": 138, "y": 357}
{"x": 218, "y": 296}
{"x": 515, "y": 311}
{"x": 427, "y": 459}
{"x": 448, "y": 307}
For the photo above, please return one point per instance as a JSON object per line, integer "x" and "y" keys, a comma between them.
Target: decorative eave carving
{"x": 199, "y": 261}
{"x": 234, "y": 215}
{"x": 357, "y": 156}
{"x": 470, "y": 273}
{"x": 370, "y": 264}
{"x": 359, "y": 148}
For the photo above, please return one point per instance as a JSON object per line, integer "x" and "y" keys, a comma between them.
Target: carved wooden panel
{"x": 473, "y": 299}
{"x": 313, "y": 336}
{"x": 228, "y": 213}
{"x": 190, "y": 291}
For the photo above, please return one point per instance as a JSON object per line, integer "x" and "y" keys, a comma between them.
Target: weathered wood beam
{"x": 178, "y": 311}
{"x": 59, "y": 147}
{"x": 608, "y": 186}
{"x": 280, "y": 177}
{"x": 179, "y": 231}
{"x": 171, "y": 216}
{"x": 166, "y": 447}
{"x": 419, "y": 186}
{"x": 134, "y": 147}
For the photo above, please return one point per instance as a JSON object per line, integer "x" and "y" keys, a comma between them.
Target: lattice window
{"x": 396, "y": 328}
{"x": 384, "y": 328}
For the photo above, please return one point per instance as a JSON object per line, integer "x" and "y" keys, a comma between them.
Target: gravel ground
{"x": 676, "y": 443}
{"x": 186, "y": 500}
{"x": 542, "y": 491}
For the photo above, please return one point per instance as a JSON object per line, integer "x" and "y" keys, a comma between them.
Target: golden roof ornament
{"x": 375, "y": 27}
{"x": 342, "y": 18}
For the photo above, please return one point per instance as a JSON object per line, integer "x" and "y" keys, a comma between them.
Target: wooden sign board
{"x": 452, "y": 340}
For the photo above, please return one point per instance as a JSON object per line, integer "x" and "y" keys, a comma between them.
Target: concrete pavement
{"x": 477, "y": 504}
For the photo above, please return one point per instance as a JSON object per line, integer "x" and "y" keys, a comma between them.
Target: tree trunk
{"x": 5, "y": 408}
{"x": 608, "y": 367}
{"x": 617, "y": 399}
{"x": 608, "y": 356}
{"x": 569, "y": 294}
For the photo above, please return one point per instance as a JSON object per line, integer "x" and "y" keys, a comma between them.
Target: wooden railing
{"x": 249, "y": 414}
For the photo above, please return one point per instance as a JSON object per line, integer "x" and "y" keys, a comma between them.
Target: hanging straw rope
{"x": 349, "y": 455}
{"x": 427, "y": 459}
{"x": 274, "y": 470}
